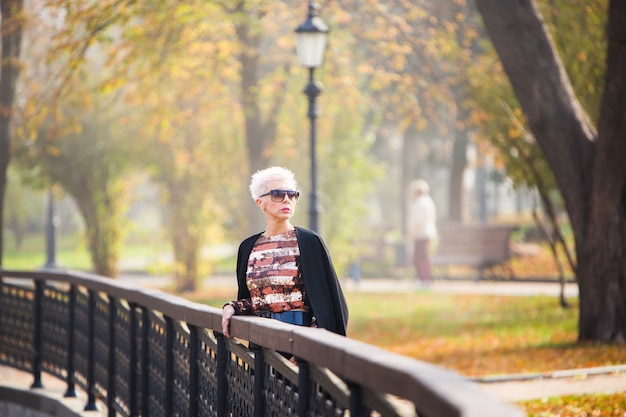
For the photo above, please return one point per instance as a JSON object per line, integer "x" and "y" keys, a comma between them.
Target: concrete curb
{"x": 568, "y": 373}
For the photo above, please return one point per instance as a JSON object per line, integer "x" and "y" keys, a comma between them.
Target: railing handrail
{"x": 435, "y": 391}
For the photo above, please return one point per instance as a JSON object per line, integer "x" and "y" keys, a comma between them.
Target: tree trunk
{"x": 102, "y": 231}
{"x": 255, "y": 140}
{"x": 186, "y": 258}
{"x": 260, "y": 126}
{"x": 10, "y": 11}
{"x": 601, "y": 264}
{"x": 459, "y": 164}
{"x": 186, "y": 225}
{"x": 590, "y": 172}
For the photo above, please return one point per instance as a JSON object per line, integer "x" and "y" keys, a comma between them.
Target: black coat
{"x": 323, "y": 292}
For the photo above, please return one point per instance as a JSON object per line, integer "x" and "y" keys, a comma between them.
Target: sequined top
{"x": 273, "y": 276}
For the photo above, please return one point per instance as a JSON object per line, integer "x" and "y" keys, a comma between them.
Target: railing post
{"x": 194, "y": 371}
{"x": 91, "y": 353}
{"x": 304, "y": 387}
{"x": 169, "y": 366}
{"x": 259, "y": 380}
{"x": 71, "y": 386}
{"x": 132, "y": 377}
{"x": 38, "y": 340}
{"x": 145, "y": 363}
{"x": 111, "y": 374}
{"x": 222, "y": 378}
{"x": 357, "y": 407}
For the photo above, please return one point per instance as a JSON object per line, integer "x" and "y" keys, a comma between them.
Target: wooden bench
{"x": 485, "y": 248}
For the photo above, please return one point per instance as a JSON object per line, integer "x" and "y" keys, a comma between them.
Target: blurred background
{"x": 137, "y": 125}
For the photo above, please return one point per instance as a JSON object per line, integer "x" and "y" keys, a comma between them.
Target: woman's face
{"x": 277, "y": 210}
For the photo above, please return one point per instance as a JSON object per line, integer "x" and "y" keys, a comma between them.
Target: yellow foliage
{"x": 52, "y": 151}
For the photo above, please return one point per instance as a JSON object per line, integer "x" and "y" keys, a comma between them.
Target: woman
{"x": 285, "y": 273}
{"x": 423, "y": 229}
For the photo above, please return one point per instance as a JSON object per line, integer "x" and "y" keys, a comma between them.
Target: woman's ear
{"x": 259, "y": 203}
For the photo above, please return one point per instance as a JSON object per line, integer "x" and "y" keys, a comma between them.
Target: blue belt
{"x": 300, "y": 318}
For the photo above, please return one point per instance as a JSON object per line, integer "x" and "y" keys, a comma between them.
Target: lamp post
{"x": 51, "y": 226}
{"x": 310, "y": 44}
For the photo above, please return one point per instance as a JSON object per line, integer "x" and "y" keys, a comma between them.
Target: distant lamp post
{"x": 51, "y": 227}
{"x": 310, "y": 44}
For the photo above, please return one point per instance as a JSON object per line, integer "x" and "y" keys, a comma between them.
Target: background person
{"x": 422, "y": 229}
{"x": 285, "y": 272}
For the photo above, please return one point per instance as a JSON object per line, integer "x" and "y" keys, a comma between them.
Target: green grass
{"x": 139, "y": 252}
{"x": 452, "y": 315}
{"x": 71, "y": 252}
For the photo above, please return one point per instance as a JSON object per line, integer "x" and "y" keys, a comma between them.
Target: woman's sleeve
{"x": 242, "y": 306}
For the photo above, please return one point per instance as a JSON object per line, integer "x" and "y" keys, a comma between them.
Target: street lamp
{"x": 311, "y": 44}
{"x": 51, "y": 227}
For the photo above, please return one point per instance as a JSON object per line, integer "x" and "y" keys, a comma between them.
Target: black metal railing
{"x": 146, "y": 353}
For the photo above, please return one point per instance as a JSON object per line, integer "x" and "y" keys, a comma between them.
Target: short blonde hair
{"x": 259, "y": 180}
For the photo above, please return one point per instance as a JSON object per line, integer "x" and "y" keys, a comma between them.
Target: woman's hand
{"x": 227, "y": 312}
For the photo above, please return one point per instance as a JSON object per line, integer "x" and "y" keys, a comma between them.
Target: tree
{"x": 11, "y": 27}
{"x": 579, "y": 36}
{"x": 588, "y": 165}
{"x": 419, "y": 53}
{"x": 65, "y": 123}
{"x": 264, "y": 68}
{"x": 185, "y": 111}
{"x": 91, "y": 162}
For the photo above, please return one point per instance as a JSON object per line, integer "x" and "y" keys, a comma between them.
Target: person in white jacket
{"x": 422, "y": 229}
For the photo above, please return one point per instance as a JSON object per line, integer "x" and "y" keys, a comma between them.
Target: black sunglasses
{"x": 279, "y": 195}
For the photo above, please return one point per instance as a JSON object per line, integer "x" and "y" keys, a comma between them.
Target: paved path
{"x": 53, "y": 388}
{"x": 517, "y": 288}
{"x": 393, "y": 285}
{"x": 580, "y": 382}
